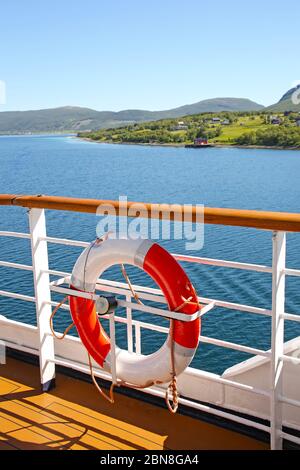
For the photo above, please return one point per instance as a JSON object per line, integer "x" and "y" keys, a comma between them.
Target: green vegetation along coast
{"x": 262, "y": 129}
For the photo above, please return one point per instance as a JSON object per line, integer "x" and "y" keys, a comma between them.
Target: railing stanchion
{"x": 39, "y": 251}
{"x": 112, "y": 334}
{"x": 278, "y": 304}
{"x": 138, "y": 348}
{"x": 129, "y": 326}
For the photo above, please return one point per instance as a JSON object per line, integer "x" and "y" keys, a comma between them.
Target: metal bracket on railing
{"x": 56, "y": 286}
{"x": 106, "y": 305}
{"x": 207, "y": 308}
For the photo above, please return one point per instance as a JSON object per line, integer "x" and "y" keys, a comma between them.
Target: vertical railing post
{"x": 138, "y": 345}
{"x": 129, "y": 325}
{"x": 39, "y": 251}
{"x": 278, "y": 306}
{"x": 112, "y": 334}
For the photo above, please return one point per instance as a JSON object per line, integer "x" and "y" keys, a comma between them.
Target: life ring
{"x": 139, "y": 370}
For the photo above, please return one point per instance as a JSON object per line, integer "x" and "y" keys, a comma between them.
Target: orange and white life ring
{"x": 139, "y": 370}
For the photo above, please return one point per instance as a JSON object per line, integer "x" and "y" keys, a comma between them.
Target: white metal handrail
{"x": 276, "y": 356}
{"x": 122, "y": 303}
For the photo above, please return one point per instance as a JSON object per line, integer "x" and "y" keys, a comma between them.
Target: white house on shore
{"x": 181, "y": 126}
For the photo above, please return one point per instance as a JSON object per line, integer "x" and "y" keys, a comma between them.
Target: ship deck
{"x": 74, "y": 416}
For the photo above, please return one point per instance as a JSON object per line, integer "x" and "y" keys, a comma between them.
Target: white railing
{"x": 276, "y": 356}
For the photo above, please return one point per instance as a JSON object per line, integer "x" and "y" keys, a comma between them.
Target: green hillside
{"x": 77, "y": 119}
{"x": 72, "y": 118}
{"x": 219, "y": 128}
{"x": 57, "y": 119}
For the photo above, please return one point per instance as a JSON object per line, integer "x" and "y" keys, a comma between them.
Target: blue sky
{"x": 147, "y": 54}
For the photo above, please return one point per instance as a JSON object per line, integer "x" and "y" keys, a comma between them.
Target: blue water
{"x": 246, "y": 179}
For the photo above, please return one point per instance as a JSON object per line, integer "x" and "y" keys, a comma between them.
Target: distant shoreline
{"x": 36, "y": 134}
{"x": 254, "y": 147}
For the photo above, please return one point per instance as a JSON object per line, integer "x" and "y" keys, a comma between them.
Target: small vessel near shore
{"x": 199, "y": 143}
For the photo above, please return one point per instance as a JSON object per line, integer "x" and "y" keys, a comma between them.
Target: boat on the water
{"x": 199, "y": 143}
{"x": 50, "y": 386}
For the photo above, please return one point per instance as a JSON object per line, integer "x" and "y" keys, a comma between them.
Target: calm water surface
{"x": 246, "y": 179}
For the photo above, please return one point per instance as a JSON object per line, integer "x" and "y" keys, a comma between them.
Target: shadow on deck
{"x": 74, "y": 416}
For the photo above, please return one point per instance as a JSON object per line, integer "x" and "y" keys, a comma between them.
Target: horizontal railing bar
{"x": 56, "y": 273}
{"x": 74, "y": 293}
{"x": 204, "y": 339}
{"x": 290, "y": 437}
{"x": 292, "y": 272}
{"x": 291, "y": 317}
{"x": 178, "y": 257}
{"x": 161, "y": 394}
{"x": 14, "y": 295}
{"x": 289, "y": 401}
{"x": 291, "y": 359}
{"x": 21, "y": 347}
{"x": 14, "y": 234}
{"x": 145, "y": 325}
{"x": 213, "y": 303}
{"x": 65, "y": 241}
{"x": 106, "y": 317}
{"x": 123, "y": 303}
{"x": 289, "y": 222}
{"x": 7, "y": 264}
{"x": 162, "y": 313}
{"x": 116, "y": 287}
{"x": 196, "y": 372}
{"x": 144, "y": 295}
{"x": 234, "y": 306}
{"x": 230, "y": 383}
{"x": 165, "y": 330}
{"x": 150, "y": 326}
{"x": 81, "y": 368}
{"x": 213, "y": 411}
{"x": 141, "y": 324}
{"x": 123, "y": 289}
{"x": 223, "y": 263}
{"x": 55, "y": 304}
{"x": 237, "y": 347}
{"x": 218, "y": 303}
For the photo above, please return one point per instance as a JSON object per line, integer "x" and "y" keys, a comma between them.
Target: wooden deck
{"x": 74, "y": 416}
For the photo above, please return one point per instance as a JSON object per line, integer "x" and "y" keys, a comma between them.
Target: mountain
{"x": 214, "y": 106}
{"x": 57, "y": 119}
{"x": 286, "y": 102}
{"x": 73, "y": 118}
